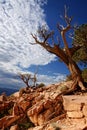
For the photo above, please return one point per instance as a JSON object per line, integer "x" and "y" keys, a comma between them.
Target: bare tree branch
{"x": 25, "y": 78}
{"x": 66, "y": 54}
{"x": 67, "y": 19}
{"x": 55, "y": 49}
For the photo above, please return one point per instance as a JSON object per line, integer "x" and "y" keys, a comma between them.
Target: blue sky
{"x": 20, "y": 18}
{"x": 53, "y": 10}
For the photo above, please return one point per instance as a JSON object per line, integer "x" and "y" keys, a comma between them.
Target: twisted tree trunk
{"x": 76, "y": 75}
{"x": 72, "y": 66}
{"x": 65, "y": 55}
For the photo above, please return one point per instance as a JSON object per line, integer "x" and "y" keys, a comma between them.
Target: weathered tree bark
{"x": 65, "y": 55}
{"x": 76, "y": 75}
{"x": 72, "y": 66}
{"x": 67, "y": 59}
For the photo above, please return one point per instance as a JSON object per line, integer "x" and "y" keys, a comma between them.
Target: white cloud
{"x": 18, "y": 19}
{"x": 9, "y": 80}
{"x": 50, "y": 79}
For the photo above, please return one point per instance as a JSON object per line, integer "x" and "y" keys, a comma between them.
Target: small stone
{"x": 15, "y": 127}
{"x": 75, "y": 114}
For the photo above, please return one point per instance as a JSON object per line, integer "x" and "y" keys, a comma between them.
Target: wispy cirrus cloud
{"x": 52, "y": 79}
{"x": 18, "y": 19}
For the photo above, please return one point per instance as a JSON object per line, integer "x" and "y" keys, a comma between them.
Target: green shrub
{"x": 41, "y": 85}
{"x": 84, "y": 74}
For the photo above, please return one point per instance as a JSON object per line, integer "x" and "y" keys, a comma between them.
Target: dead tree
{"x": 25, "y": 78}
{"x": 66, "y": 54}
{"x": 34, "y": 78}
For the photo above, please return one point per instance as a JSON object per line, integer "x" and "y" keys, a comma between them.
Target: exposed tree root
{"x": 73, "y": 88}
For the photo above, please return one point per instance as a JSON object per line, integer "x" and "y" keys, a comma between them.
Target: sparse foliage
{"x": 80, "y": 39}
{"x": 84, "y": 74}
{"x": 41, "y": 85}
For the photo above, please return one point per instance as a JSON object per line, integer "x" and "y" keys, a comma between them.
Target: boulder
{"x": 75, "y": 114}
{"x": 3, "y": 97}
{"x": 44, "y": 111}
{"x": 36, "y": 128}
{"x": 84, "y": 110}
{"x": 14, "y": 127}
{"x": 16, "y": 94}
{"x": 24, "y": 105}
{"x": 17, "y": 110}
{"x": 37, "y": 108}
{"x": 48, "y": 104}
{"x": 6, "y": 105}
{"x": 41, "y": 106}
{"x": 71, "y": 103}
{"x": 8, "y": 120}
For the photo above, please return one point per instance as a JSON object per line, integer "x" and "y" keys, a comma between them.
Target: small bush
{"x": 41, "y": 85}
{"x": 84, "y": 74}
{"x": 25, "y": 125}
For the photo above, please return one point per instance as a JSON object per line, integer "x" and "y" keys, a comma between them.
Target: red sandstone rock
{"x": 71, "y": 104}
{"x": 3, "y": 97}
{"x": 8, "y": 120}
{"x": 75, "y": 114}
{"x": 40, "y": 119}
{"x": 36, "y": 128}
{"x": 35, "y": 109}
{"x": 17, "y": 110}
{"x": 16, "y": 94}
{"x": 6, "y": 105}
{"x": 47, "y": 104}
{"x": 24, "y": 105}
{"x": 84, "y": 110}
{"x": 14, "y": 127}
{"x": 42, "y": 105}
